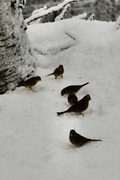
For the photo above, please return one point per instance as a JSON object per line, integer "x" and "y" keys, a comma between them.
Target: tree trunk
{"x": 16, "y": 55}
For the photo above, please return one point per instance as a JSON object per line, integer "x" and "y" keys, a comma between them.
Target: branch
{"x": 41, "y": 14}
{"x": 63, "y": 13}
{"x": 92, "y": 17}
{"x": 70, "y": 36}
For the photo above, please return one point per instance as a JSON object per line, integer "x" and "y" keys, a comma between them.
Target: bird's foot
{"x": 32, "y": 90}
{"x": 81, "y": 114}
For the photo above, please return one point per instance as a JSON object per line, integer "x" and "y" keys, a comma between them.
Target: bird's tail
{"x": 95, "y": 139}
{"x": 50, "y": 74}
{"x": 85, "y": 84}
{"x": 21, "y": 83}
{"x": 59, "y": 113}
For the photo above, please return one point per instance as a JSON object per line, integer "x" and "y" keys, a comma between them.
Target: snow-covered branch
{"x": 63, "y": 13}
{"x": 92, "y": 17}
{"x": 40, "y": 14}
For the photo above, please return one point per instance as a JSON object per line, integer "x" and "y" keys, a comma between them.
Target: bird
{"x": 78, "y": 140}
{"x": 78, "y": 107}
{"x": 73, "y": 89}
{"x": 29, "y": 83}
{"x": 58, "y": 72}
{"x": 72, "y": 99}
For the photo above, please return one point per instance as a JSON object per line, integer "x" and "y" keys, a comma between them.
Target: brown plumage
{"x": 72, "y": 99}
{"x": 78, "y": 107}
{"x": 29, "y": 83}
{"x": 72, "y": 89}
{"x": 58, "y": 72}
{"x": 78, "y": 140}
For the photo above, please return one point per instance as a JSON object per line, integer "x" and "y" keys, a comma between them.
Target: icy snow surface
{"x": 34, "y": 141}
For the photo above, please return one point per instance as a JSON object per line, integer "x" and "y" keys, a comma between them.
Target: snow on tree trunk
{"x": 16, "y": 55}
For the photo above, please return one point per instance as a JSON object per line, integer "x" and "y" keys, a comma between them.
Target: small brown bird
{"x": 79, "y": 106}
{"x": 78, "y": 140}
{"x": 29, "y": 83}
{"x": 72, "y": 89}
{"x": 58, "y": 72}
{"x": 72, "y": 99}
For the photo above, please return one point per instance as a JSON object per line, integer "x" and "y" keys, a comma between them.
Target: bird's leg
{"x": 80, "y": 113}
{"x": 31, "y": 89}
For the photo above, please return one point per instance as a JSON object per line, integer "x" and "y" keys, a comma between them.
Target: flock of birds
{"x": 77, "y": 107}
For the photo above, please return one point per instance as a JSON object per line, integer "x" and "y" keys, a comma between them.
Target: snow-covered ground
{"x": 34, "y": 141}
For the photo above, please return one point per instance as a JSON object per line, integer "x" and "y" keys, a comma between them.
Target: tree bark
{"x": 16, "y": 55}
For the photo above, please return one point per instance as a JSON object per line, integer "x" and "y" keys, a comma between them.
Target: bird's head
{"x": 72, "y": 132}
{"x": 63, "y": 92}
{"x": 38, "y": 78}
{"x": 61, "y": 67}
{"x": 88, "y": 97}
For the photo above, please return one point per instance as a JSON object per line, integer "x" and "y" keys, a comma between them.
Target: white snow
{"x": 34, "y": 141}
